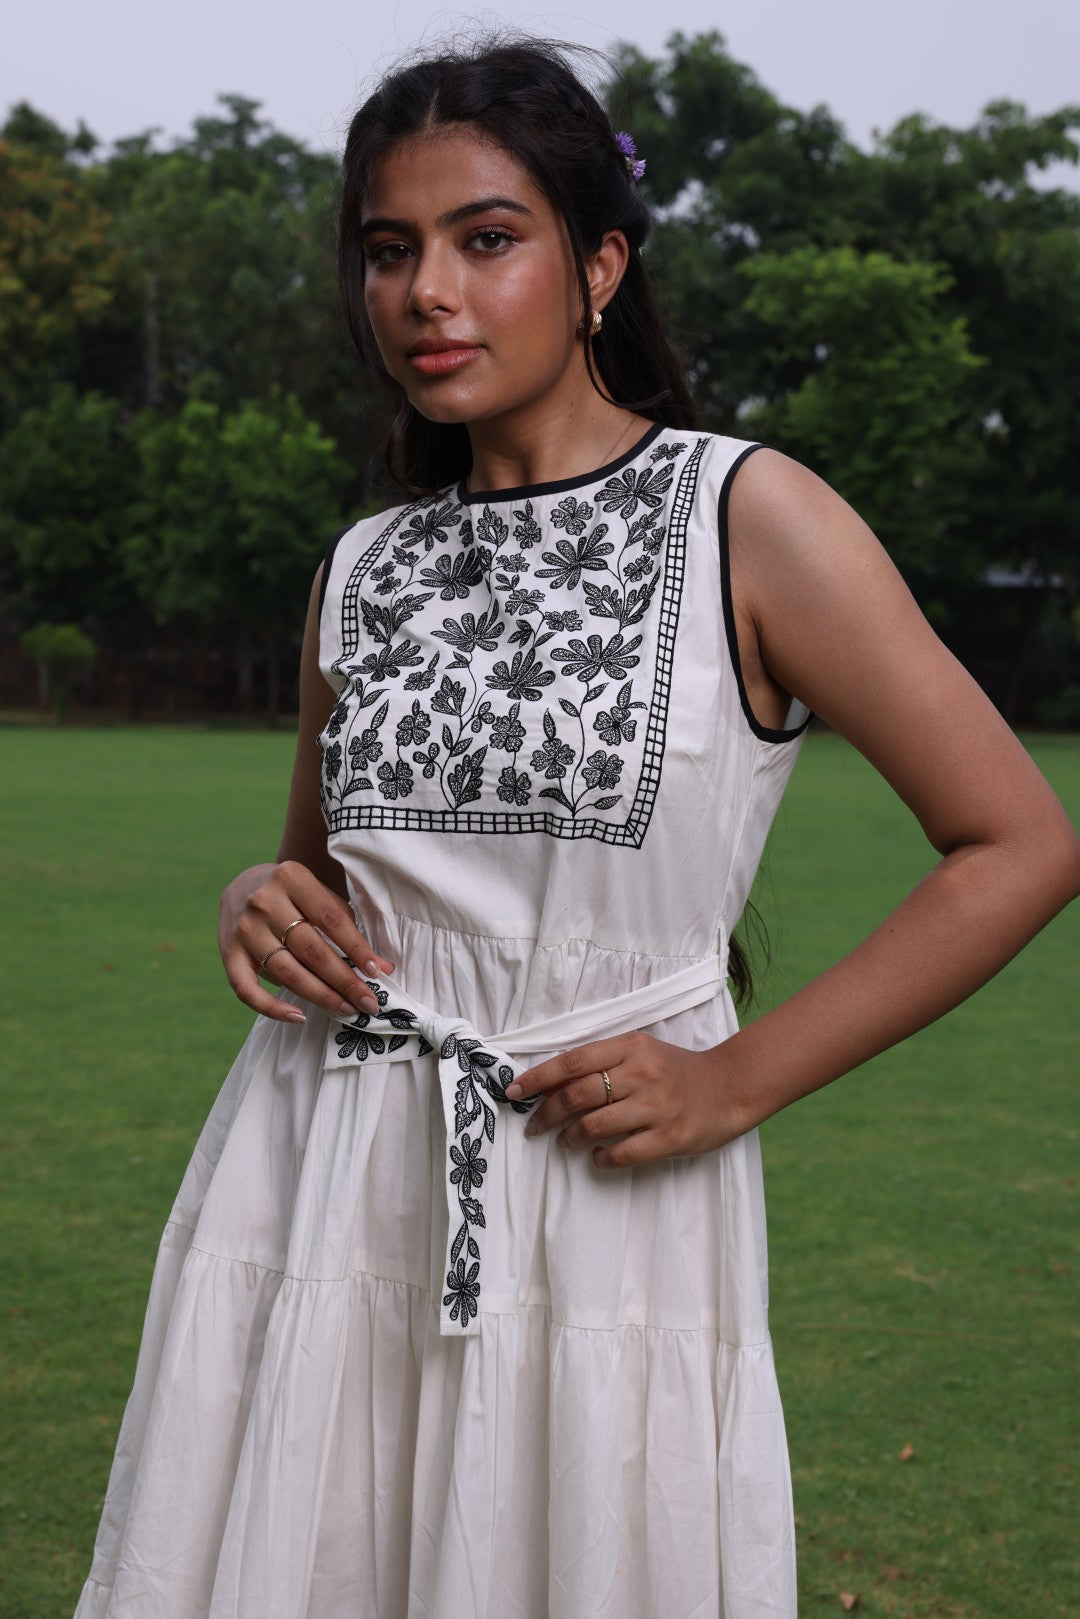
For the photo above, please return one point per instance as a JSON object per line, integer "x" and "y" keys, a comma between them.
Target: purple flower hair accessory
{"x": 635, "y": 166}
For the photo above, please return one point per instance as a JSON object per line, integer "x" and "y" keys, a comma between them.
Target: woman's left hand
{"x": 665, "y": 1102}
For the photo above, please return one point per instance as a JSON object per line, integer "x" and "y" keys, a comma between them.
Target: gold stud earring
{"x": 595, "y": 325}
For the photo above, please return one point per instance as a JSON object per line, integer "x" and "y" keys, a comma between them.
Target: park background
{"x": 182, "y": 429}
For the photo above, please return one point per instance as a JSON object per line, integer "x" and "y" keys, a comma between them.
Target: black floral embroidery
{"x": 395, "y": 780}
{"x": 572, "y": 515}
{"x": 464, "y": 1291}
{"x": 563, "y": 621}
{"x": 337, "y": 719}
{"x": 507, "y": 732}
{"x": 481, "y": 1087}
{"x": 631, "y": 488}
{"x": 454, "y": 576}
{"x": 553, "y": 756}
{"x": 528, "y": 531}
{"x": 523, "y": 678}
{"x": 386, "y": 580}
{"x": 615, "y": 725}
{"x": 473, "y": 689}
{"x": 602, "y": 770}
{"x": 355, "y": 1042}
{"x": 514, "y": 787}
{"x": 470, "y": 1168}
{"x": 586, "y": 661}
{"x": 429, "y": 761}
{"x": 365, "y": 748}
{"x": 569, "y": 560}
{"x": 413, "y": 726}
{"x": 429, "y": 527}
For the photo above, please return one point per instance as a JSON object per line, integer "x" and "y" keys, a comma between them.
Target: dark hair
{"x": 524, "y": 96}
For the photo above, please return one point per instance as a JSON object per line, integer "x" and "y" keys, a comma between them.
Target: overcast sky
{"x": 127, "y": 65}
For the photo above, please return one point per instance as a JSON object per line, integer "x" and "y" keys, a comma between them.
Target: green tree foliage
{"x": 67, "y": 479}
{"x": 953, "y": 223}
{"x": 60, "y": 650}
{"x": 230, "y": 239}
{"x": 234, "y": 514}
{"x": 967, "y": 199}
{"x": 59, "y": 270}
{"x": 731, "y": 172}
{"x": 875, "y": 346}
{"x": 182, "y": 418}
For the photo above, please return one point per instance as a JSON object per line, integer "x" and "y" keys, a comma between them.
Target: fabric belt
{"x": 474, "y": 1071}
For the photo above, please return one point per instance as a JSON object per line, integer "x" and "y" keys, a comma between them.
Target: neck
{"x": 550, "y": 439}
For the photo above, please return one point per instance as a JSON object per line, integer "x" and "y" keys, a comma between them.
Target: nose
{"x": 436, "y": 287}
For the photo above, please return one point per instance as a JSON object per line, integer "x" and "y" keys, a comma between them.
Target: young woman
{"x": 461, "y": 1311}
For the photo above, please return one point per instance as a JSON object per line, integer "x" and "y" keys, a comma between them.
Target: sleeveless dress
{"x": 401, "y": 1361}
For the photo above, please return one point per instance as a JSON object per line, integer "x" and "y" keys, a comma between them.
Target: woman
{"x": 406, "y": 1355}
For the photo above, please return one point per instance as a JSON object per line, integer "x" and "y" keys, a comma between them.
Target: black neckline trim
{"x": 766, "y": 733}
{"x": 525, "y": 490}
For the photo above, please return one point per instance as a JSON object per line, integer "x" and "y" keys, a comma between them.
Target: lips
{"x": 438, "y": 357}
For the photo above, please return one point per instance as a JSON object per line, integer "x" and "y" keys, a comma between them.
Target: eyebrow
{"x": 456, "y": 216}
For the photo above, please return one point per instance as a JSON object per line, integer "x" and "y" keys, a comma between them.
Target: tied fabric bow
{"x": 473, "y": 1076}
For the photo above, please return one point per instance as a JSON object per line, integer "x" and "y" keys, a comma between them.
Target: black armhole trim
{"x": 764, "y": 732}
{"x": 328, "y": 563}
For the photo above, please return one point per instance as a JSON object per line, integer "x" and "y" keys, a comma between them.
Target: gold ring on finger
{"x": 288, "y": 930}
{"x": 606, "y": 1077}
{"x": 278, "y": 948}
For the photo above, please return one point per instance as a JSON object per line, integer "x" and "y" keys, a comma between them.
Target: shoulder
{"x": 791, "y": 536}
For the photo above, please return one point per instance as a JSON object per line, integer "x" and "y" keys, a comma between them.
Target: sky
{"x": 128, "y": 65}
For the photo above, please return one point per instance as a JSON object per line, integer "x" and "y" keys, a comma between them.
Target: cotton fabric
{"x": 309, "y": 1436}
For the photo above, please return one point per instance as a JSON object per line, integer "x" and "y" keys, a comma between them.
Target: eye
{"x": 381, "y": 253}
{"x": 492, "y": 239}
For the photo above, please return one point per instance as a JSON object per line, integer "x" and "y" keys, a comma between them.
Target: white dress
{"x": 401, "y": 1361}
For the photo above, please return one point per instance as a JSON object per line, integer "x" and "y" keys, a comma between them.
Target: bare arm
{"x": 824, "y": 614}
{"x": 304, "y": 882}
{"x": 834, "y": 622}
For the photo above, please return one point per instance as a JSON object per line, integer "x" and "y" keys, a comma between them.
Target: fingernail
{"x": 347, "y": 1008}
{"x": 513, "y": 1091}
{"x": 391, "y": 967}
{"x": 562, "y": 1141}
{"x": 533, "y": 1128}
{"x": 369, "y": 1003}
{"x": 372, "y": 969}
{"x": 295, "y": 1017}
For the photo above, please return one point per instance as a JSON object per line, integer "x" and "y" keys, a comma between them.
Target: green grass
{"x": 922, "y": 1212}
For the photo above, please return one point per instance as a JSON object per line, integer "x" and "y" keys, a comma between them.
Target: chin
{"x": 450, "y": 412}
{"x": 446, "y": 416}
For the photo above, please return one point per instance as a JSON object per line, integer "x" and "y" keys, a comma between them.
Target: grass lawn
{"x": 922, "y": 1212}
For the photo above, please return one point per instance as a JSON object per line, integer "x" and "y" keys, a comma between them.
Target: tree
{"x": 731, "y": 172}
{"x": 884, "y": 372}
{"x": 59, "y": 270}
{"x": 235, "y": 513}
{"x": 737, "y": 175}
{"x": 231, "y": 235}
{"x": 59, "y": 649}
{"x": 66, "y": 483}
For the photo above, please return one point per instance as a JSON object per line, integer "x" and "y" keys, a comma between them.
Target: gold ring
{"x": 278, "y": 948}
{"x": 606, "y": 1077}
{"x": 288, "y": 930}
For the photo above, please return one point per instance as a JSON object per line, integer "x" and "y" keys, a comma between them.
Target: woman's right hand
{"x": 258, "y": 907}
